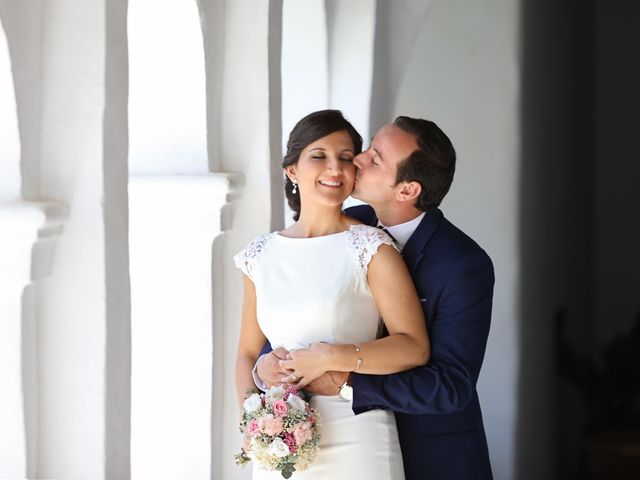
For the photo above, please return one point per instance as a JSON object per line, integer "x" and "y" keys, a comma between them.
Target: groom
{"x": 403, "y": 176}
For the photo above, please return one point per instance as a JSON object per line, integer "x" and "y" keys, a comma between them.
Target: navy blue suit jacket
{"x": 437, "y": 409}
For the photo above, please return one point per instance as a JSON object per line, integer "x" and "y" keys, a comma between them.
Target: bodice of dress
{"x": 314, "y": 289}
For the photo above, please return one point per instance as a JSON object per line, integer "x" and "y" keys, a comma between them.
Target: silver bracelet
{"x": 359, "y": 358}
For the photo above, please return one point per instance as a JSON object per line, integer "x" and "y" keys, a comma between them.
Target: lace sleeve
{"x": 247, "y": 258}
{"x": 365, "y": 241}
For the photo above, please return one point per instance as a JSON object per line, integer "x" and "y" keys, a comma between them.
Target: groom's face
{"x": 377, "y": 166}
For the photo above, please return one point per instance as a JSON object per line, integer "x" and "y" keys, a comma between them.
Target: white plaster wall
{"x": 305, "y": 63}
{"x": 246, "y": 138}
{"x": 464, "y": 75}
{"x": 304, "y": 67}
{"x": 351, "y": 32}
{"x": 22, "y": 25}
{"x": 9, "y": 133}
{"x": 82, "y": 329}
{"x": 398, "y": 25}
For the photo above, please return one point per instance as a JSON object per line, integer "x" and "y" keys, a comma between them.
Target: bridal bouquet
{"x": 280, "y": 431}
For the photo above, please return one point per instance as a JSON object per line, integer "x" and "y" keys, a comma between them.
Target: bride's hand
{"x": 309, "y": 363}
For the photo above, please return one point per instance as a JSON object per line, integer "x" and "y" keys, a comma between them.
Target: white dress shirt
{"x": 403, "y": 231}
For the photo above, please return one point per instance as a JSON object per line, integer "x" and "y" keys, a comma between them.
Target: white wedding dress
{"x": 315, "y": 290}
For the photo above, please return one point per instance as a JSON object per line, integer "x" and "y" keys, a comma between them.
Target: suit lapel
{"x": 413, "y": 251}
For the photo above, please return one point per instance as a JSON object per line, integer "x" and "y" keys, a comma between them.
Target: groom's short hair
{"x": 432, "y": 164}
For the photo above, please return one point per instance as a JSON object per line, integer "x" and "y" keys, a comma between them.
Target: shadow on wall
{"x": 556, "y": 194}
{"x": 609, "y": 387}
{"x": 578, "y": 237}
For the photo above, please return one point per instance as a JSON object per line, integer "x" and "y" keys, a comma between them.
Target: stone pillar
{"x": 250, "y": 136}
{"x": 351, "y": 31}
{"x": 305, "y": 61}
{"x": 174, "y": 221}
{"x": 83, "y": 307}
{"x": 28, "y": 232}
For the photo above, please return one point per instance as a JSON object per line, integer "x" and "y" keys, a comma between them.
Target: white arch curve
{"x": 167, "y": 91}
{"x": 9, "y": 132}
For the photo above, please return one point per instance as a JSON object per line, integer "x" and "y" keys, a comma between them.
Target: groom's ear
{"x": 408, "y": 191}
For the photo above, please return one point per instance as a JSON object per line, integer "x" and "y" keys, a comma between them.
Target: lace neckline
{"x": 328, "y": 236}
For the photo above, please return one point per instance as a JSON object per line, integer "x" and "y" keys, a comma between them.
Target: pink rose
{"x": 280, "y": 408}
{"x": 254, "y": 428}
{"x": 302, "y": 433}
{"x": 271, "y": 425}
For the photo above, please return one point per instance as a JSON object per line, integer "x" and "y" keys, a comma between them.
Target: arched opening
{"x": 174, "y": 217}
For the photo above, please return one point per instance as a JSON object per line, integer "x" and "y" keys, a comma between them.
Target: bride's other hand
{"x": 269, "y": 369}
{"x": 328, "y": 384}
{"x": 309, "y": 363}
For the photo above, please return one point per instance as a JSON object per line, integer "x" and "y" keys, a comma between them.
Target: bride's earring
{"x": 294, "y": 190}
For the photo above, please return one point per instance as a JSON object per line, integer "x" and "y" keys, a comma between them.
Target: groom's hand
{"x": 269, "y": 369}
{"x": 328, "y": 384}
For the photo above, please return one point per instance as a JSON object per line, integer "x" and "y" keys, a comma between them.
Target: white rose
{"x": 278, "y": 448}
{"x": 297, "y": 403}
{"x": 275, "y": 393}
{"x": 255, "y": 449}
{"x": 252, "y": 403}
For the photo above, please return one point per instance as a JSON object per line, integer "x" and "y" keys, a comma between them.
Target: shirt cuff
{"x": 256, "y": 378}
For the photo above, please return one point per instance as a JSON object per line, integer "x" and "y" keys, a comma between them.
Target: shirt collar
{"x": 403, "y": 231}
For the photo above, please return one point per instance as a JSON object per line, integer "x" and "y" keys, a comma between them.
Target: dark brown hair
{"x": 432, "y": 165}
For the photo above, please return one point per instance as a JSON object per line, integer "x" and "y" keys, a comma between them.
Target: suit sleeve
{"x": 458, "y": 334}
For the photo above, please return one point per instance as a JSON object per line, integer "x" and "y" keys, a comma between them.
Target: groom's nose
{"x": 360, "y": 160}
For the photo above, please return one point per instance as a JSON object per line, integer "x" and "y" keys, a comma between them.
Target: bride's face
{"x": 325, "y": 172}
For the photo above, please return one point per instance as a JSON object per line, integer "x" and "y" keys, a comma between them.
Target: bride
{"x": 319, "y": 289}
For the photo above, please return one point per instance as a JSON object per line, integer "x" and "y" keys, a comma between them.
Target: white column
{"x": 28, "y": 233}
{"x": 174, "y": 221}
{"x": 305, "y": 61}
{"x": 83, "y": 307}
{"x": 250, "y": 134}
{"x": 350, "y": 32}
